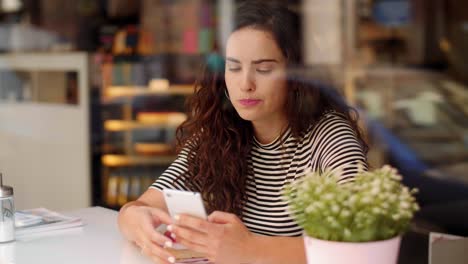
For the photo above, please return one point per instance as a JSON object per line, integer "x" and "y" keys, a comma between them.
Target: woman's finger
{"x": 152, "y": 250}
{"x": 159, "y": 238}
{"x": 190, "y": 238}
{"x": 222, "y": 218}
{"x": 160, "y": 216}
{"x": 195, "y": 247}
{"x": 140, "y": 238}
{"x": 157, "y": 251}
{"x": 159, "y": 260}
{"x": 196, "y": 223}
{"x": 148, "y": 230}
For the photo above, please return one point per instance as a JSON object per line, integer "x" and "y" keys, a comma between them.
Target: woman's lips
{"x": 249, "y": 102}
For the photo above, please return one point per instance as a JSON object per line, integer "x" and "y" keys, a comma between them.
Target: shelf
{"x": 122, "y": 125}
{"x": 153, "y": 149}
{"x": 44, "y": 61}
{"x": 175, "y": 118}
{"x": 115, "y": 92}
{"x": 111, "y": 160}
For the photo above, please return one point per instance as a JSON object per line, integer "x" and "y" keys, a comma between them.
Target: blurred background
{"x": 91, "y": 91}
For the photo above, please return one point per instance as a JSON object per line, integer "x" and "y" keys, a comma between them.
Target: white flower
{"x": 318, "y": 190}
{"x": 310, "y": 208}
{"x": 319, "y": 205}
{"x": 387, "y": 186}
{"x": 375, "y": 191}
{"x": 346, "y": 232}
{"x": 404, "y": 205}
{"x": 406, "y": 214}
{"x": 376, "y": 182}
{"x": 366, "y": 200}
{"x": 352, "y": 199}
{"x": 329, "y": 196}
{"x": 335, "y": 208}
{"x": 345, "y": 213}
{"x": 392, "y": 198}
{"x": 335, "y": 224}
{"x": 386, "y": 168}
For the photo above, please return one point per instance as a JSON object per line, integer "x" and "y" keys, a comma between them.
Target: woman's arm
{"x": 152, "y": 198}
{"x": 278, "y": 250}
{"x": 138, "y": 220}
{"x": 340, "y": 150}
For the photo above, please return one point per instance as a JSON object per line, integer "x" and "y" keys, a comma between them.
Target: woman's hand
{"x": 141, "y": 224}
{"x": 222, "y": 239}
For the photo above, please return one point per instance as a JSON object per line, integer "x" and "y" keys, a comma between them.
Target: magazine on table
{"x": 41, "y": 220}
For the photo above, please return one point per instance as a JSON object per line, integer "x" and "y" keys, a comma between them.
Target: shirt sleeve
{"x": 174, "y": 176}
{"x": 340, "y": 151}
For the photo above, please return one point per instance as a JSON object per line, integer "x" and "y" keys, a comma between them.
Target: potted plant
{"x": 355, "y": 222}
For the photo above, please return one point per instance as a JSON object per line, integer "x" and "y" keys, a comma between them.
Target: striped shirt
{"x": 330, "y": 144}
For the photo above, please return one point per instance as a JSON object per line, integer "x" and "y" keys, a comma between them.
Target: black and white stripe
{"x": 330, "y": 144}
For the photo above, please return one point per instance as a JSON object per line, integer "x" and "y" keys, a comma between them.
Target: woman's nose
{"x": 247, "y": 82}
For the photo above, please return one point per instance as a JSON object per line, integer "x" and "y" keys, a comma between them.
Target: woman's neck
{"x": 267, "y": 131}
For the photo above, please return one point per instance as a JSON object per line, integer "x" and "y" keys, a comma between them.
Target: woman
{"x": 249, "y": 134}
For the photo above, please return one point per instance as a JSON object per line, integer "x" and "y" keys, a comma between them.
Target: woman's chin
{"x": 247, "y": 116}
{"x": 250, "y": 113}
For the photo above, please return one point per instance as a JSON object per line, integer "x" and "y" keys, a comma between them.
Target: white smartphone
{"x": 184, "y": 202}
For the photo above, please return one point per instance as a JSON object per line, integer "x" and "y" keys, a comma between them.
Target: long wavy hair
{"x": 219, "y": 140}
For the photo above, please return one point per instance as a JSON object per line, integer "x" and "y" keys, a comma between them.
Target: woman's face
{"x": 256, "y": 76}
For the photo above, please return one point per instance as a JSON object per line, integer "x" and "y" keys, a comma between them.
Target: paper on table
{"x": 24, "y": 220}
{"x": 50, "y": 221}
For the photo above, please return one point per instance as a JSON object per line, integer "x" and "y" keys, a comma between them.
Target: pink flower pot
{"x": 334, "y": 252}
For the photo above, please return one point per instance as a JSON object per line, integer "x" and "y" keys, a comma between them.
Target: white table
{"x": 99, "y": 241}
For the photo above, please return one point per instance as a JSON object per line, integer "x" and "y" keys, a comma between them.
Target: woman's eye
{"x": 234, "y": 69}
{"x": 264, "y": 71}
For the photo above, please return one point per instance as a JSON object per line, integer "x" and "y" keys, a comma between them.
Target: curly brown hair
{"x": 219, "y": 140}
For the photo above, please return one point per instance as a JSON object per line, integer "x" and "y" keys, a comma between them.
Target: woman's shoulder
{"x": 332, "y": 115}
{"x": 326, "y": 120}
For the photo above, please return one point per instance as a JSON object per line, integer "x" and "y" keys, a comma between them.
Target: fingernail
{"x": 169, "y": 227}
{"x": 177, "y": 217}
{"x": 168, "y": 244}
{"x": 171, "y": 259}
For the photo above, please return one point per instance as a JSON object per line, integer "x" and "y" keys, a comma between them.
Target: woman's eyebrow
{"x": 264, "y": 60}
{"x": 253, "y": 62}
{"x": 232, "y": 60}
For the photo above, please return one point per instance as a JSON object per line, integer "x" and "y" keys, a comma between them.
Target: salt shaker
{"x": 7, "y": 213}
